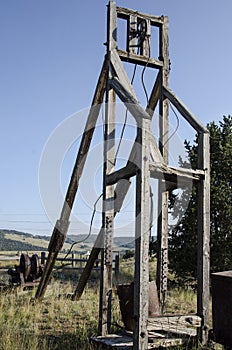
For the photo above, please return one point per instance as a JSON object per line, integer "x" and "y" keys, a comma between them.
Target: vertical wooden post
{"x": 131, "y": 34}
{"x": 73, "y": 262}
{"x": 203, "y": 267}
{"x": 162, "y": 234}
{"x": 142, "y": 233}
{"x": 116, "y": 266}
{"x": 108, "y": 191}
{"x": 43, "y": 256}
{"x": 145, "y": 49}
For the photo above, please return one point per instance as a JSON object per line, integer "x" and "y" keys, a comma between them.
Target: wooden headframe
{"x": 147, "y": 159}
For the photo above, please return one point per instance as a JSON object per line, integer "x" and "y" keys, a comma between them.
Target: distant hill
{"x": 120, "y": 243}
{"x": 21, "y": 241}
{"x": 12, "y": 240}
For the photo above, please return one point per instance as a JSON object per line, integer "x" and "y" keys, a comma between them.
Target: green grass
{"x": 59, "y": 323}
{"x": 54, "y": 323}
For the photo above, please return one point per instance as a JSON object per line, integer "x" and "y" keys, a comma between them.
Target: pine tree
{"x": 183, "y": 237}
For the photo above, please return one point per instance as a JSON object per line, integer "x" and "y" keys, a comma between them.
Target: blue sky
{"x": 50, "y": 58}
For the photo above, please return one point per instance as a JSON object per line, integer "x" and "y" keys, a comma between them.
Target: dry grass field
{"x": 60, "y": 323}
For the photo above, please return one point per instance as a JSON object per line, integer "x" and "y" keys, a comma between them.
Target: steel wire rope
{"x": 90, "y": 229}
{"x": 176, "y": 128}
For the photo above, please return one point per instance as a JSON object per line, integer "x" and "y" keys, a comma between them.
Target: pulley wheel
{"x": 25, "y": 266}
{"x": 35, "y": 265}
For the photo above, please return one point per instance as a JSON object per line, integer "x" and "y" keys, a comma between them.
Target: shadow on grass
{"x": 67, "y": 341}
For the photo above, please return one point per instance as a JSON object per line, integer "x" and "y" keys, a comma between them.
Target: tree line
{"x": 183, "y": 235}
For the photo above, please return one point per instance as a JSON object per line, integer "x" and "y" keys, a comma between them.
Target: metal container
{"x": 222, "y": 307}
{"x": 126, "y": 301}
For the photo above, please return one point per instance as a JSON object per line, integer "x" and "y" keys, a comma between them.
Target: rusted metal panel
{"x": 222, "y": 307}
{"x": 126, "y": 299}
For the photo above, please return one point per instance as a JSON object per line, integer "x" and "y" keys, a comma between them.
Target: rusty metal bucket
{"x": 126, "y": 302}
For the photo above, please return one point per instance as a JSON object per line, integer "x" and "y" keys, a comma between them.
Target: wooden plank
{"x": 179, "y": 176}
{"x": 155, "y": 95}
{"x": 145, "y": 45}
{"x": 184, "y": 111}
{"x": 167, "y": 343}
{"x": 124, "y": 173}
{"x": 113, "y": 341}
{"x": 195, "y": 174}
{"x": 131, "y": 103}
{"x": 162, "y": 226}
{"x": 182, "y": 325}
{"x": 140, "y": 60}
{"x": 203, "y": 260}
{"x": 111, "y": 26}
{"x": 155, "y": 153}
{"x": 152, "y": 103}
{"x": 142, "y": 233}
{"x": 104, "y": 323}
{"x": 121, "y": 73}
{"x": 125, "y": 13}
{"x": 121, "y": 190}
{"x": 58, "y": 235}
{"x": 124, "y": 342}
{"x": 107, "y": 216}
{"x": 89, "y": 265}
{"x": 131, "y": 34}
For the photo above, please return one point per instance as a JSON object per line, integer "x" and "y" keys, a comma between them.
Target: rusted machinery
{"x": 222, "y": 307}
{"x": 27, "y": 273}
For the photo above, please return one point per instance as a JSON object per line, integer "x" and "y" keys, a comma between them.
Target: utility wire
{"x": 177, "y": 125}
{"x": 90, "y": 229}
{"x": 143, "y": 73}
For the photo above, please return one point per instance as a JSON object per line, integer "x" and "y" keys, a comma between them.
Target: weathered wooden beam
{"x": 152, "y": 103}
{"x": 89, "y": 265}
{"x": 144, "y": 46}
{"x": 105, "y": 304}
{"x": 125, "y": 13}
{"x": 178, "y": 324}
{"x": 162, "y": 226}
{"x": 61, "y": 227}
{"x": 131, "y": 103}
{"x": 124, "y": 342}
{"x": 203, "y": 260}
{"x": 140, "y": 60}
{"x": 155, "y": 95}
{"x": 142, "y": 234}
{"x": 179, "y": 176}
{"x": 131, "y": 45}
{"x": 184, "y": 111}
{"x": 154, "y": 151}
{"x": 120, "y": 193}
{"x": 120, "y": 72}
{"x": 124, "y": 173}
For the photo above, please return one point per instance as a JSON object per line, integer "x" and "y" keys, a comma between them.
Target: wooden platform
{"x": 165, "y": 331}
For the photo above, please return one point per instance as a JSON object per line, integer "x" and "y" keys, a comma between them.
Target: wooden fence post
{"x": 73, "y": 262}
{"x": 116, "y": 266}
{"x": 43, "y": 256}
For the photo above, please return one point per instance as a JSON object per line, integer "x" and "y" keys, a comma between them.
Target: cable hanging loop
{"x": 140, "y": 32}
